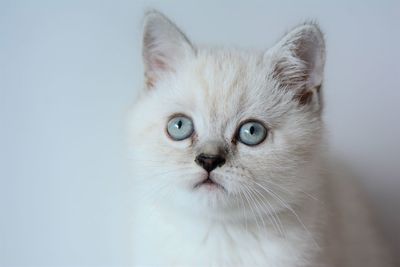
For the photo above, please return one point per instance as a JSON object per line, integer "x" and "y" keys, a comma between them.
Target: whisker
{"x": 250, "y": 206}
{"x": 272, "y": 215}
{"x": 288, "y": 191}
{"x": 273, "y": 194}
{"x": 258, "y": 206}
{"x": 244, "y": 210}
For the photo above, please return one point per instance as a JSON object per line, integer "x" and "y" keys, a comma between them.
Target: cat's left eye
{"x": 252, "y": 133}
{"x": 180, "y": 127}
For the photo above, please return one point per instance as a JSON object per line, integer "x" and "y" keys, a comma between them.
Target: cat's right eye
{"x": 180, "y": 127}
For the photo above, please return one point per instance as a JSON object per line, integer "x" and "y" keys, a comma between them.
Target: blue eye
{"x": 180, "y": 127}
{"x": 252, "y": 133}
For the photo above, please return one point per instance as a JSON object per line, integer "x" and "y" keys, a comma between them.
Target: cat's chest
{"x": 176, "y": 242}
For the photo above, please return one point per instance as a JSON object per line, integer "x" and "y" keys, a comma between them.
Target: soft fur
{"x": 280, "y": 206}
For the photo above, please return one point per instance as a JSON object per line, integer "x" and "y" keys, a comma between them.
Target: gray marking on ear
{"x": 298, "y": 61}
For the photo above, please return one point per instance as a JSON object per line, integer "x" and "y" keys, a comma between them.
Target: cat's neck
{"x": 209, "y": 237}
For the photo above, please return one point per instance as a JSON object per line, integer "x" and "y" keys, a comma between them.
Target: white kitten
{"x": 227, "y": 158}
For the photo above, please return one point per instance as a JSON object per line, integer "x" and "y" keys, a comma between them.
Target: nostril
{"x": 210, "y": 162}
{"x": 220, "y": 162}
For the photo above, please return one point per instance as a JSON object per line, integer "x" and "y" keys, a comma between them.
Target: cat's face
{"x": 224, "y": 131}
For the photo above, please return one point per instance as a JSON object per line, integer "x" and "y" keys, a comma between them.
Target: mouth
{"x": 209, "y": 184}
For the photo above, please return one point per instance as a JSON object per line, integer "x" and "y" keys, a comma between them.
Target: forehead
{"x": 224, "y": 86}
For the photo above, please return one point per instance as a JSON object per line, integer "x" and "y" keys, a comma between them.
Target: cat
{"x": 228, "y": 158}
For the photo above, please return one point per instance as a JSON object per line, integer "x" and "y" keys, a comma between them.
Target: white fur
{"x": 280, "y": 207}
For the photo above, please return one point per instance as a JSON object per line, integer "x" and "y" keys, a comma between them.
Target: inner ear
{"x": 165, "y": 47}
{"x": 298, "y": 62}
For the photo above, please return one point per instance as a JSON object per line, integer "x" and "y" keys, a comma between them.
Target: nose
{"x": 209, "y": 162}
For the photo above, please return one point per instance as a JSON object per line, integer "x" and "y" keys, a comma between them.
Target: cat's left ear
{"x": 297, "y": 62}
{"x": 165, "y": 47}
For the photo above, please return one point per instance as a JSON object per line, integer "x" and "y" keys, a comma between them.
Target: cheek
{"x": 268, "y": 160}
{"x": 163, "y": 160}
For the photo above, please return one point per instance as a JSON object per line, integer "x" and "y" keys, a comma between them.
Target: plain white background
{"x": 69, "y": 70}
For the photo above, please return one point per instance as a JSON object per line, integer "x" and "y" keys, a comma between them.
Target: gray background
{"x": 69, "y": 70}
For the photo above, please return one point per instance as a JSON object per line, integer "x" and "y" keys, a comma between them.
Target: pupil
{"x": 252, "y": 130}
{"x": 179, "y": 124}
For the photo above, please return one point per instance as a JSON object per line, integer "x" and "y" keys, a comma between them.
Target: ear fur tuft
{"x": 298, "y": 61}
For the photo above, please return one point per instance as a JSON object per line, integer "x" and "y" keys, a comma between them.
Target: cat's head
{"x": 220, "y": 131}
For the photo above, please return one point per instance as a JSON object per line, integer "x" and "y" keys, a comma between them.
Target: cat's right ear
{"x": 164, "y": 47}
